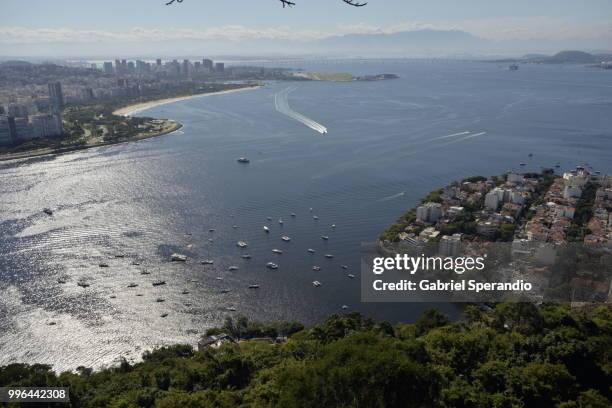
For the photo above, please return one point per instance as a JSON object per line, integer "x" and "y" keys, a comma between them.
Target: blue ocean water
{"x": 388, "y": 143}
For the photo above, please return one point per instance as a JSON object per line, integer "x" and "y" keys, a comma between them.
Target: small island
{"x": 340, "y": 77}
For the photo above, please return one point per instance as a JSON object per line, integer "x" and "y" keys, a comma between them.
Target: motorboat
{"x": 159, "y": 282}
{"x": 246, "y": 256}
{"x": 103, "y": 265}
{"x": 132, "y": 285}
{"x": 232, "y": 268}
{"x": 285, "y": 238}
{"x": 344, "y": 266}
{"x": 178, "y": 258}
{"x": 350, "y": 275}
{"x": 293, "y": 215}
{"x": 333, "y": 225}
{"x": 277, "y": 251}
{"x": 266, "y": 229}
{"x": 253, "y": 286}
{"x": 225, "y": 291}
{"x": 242, "y": 244}
{"x": 48, "y": 211}
{"x": 243, "y": 160}
{"x": 160, "y": 300}
{"x": 163, "y": 315}
{"x": 314, "y": 217}
{"x": 324, "y": 237}
{"x": 271, "y": 265}
{"x": 207, "y": 262}
{"x": 316, "y": 284}
{"x": 280, "y": 221}
{"x": 329, "y": 256}
{"x": 312, "y": 251}
{"x": 316, "y": 268}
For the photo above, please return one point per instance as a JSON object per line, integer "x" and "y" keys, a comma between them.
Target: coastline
{"x": 139, "y": 107}
{"x": 125, "y": 111}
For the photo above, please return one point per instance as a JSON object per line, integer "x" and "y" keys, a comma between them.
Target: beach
{"x": 139, "y": 107}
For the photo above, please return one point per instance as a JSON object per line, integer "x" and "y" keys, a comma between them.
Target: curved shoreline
{"x": 125, "y": 111}
{"x": 141, "y": 106}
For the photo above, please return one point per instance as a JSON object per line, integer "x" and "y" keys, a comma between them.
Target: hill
{"x": 515, "y": 355}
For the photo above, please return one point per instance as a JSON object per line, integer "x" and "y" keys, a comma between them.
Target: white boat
{"x": 293, "y": 214}
{"x": 242, "y": 244}
{"x": 329, "y": 256}
{"x": 211, "y": 230}
{"x": 271, "y": 265}
{"x": 350, "y": 275}
{"x": 243, "y": 160}
{"x": 316, "y": 268}
{"x": 344, "y": 307}
{"x": 207, "y": 262}
{"x": 344, "y": 266}
{"x": 253, "y": 286}
{"x": 246, "y": 256}
{"x": 178, "y": 258}
{"x": 232, "y": 268}
{"x": 231, "y": 309}
{"x": 324, "y": 237}
{"x": 333, "y": 225}
{"x": 285, "y": 238}
{"x": 219, "y": 278}
{"x": 277, "y": 251}
{"x": 316, "y": 284}
{"x": 225, "y": 291}
{"x": 312, "y": 251}
{"x": 269, "y": 218}
{"x": 234, "y": 226}
{"x": 266, "y": 229}
{"x": 314, "y": 217}
{"x": 280, "y": 221}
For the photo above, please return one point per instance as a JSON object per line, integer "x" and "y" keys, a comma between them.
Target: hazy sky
{"x": 30, "y": 24}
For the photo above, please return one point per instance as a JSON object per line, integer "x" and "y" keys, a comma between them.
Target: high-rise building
{"x": 6, "y": 135}
{"x": 46, "y": 125}
{"x": 108, "y": 68}
{"x": 207, "y": 64}
{"x": 219, "y": 67}
{"x": 56, "y": 96}
{"x": 118, "y": 69}
{"x": 17, "y": 110}
{"x": 186, "y": 71}
{"x": 158, "y": 62}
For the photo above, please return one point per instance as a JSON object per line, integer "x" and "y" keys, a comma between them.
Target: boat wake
{"x": 282, "y": 105}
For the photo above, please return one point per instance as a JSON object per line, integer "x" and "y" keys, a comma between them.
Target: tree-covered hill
{"x": 515, "y": 355}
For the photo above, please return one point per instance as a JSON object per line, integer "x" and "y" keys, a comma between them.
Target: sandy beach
{"x": 139, "y": 107}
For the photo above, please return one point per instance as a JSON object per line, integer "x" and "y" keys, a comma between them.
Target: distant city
{"x": 33, "y": 97}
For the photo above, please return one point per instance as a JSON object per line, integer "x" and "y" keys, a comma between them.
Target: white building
{"x": 429, "y": 212}
{"x": 572, "y": 191}
{"x": 494, "y": 198}
{"x": 450, "y": 245}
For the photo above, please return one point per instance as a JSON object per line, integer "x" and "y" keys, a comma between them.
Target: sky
{"x": 103, "y": 26}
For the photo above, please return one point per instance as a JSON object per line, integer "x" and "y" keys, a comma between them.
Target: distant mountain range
{"x": 563, "y": 57}
{"x": 402, "y": 44}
